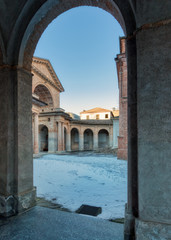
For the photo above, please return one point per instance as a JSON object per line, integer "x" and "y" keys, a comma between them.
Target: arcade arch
{"x": 44, "y": 94}
{"x": 21, "y": 46}
{"x": 43, "y": 138}
{"x": 147, "y": 27}
{"x": 103, "y": 138}
{"x": 88, "y": 139}
{"x": 74, "y": 139}
{"x": 50, "y": 10}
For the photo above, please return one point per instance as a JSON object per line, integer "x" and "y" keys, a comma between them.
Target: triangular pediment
{"x": 44, "y": 69}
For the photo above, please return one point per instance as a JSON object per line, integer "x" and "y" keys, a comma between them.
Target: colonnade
{"x": 62, "y": 138}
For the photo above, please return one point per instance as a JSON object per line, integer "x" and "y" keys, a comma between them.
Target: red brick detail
{"x": 121, "y": 63}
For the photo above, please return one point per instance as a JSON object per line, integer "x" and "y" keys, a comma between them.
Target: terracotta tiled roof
{"x": 96, "y": 110}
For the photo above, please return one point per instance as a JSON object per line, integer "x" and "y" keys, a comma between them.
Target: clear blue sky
{"x": 81, "y": 45}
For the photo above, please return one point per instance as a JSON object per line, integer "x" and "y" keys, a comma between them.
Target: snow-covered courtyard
{"x": 85, "y": 178}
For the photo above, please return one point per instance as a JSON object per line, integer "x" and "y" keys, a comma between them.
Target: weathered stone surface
{"x": 11, "y": 205}
{"x": 8, "y": 206}
{"x": 154, "y": 128}
{"x": 152, "y": 231}
{"x": 26, "y": 200}
{"x": 148, "y": 52}
{"x": 42, "y": 223}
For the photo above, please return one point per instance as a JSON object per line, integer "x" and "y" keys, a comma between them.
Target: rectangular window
{"x": 106, "y": 115}
{"x": 87, "y": 117}
{"x": 97, "y": 116}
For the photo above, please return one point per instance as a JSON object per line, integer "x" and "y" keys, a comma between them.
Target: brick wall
{"x": 123, "y": 101}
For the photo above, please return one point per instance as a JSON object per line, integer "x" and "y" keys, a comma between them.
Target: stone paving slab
{"x": 43, "y": 223}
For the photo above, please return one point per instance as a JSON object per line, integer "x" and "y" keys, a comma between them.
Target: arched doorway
{"x": 88, "y": 139}
{"x": 74, "y": 139}
{"x": 103, "y": 138}
{"x": 43, "y": 138}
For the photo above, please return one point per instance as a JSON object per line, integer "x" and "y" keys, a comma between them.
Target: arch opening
{"x": 43, "y": 138}
{"x": 74, "y": 139}
{"x": 51, "y": 10}
{"x": 88, "y": 139}
{"x": 103, "y": 139}
{"x": 43, "y": 94}
{"x": 28, "y": 43}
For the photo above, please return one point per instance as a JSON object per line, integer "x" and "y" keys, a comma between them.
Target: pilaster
{"x": 16, "y": 151}
{"x": 36, "y": 133}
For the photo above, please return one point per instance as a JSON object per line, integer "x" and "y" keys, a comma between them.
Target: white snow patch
{"x": 96, "y": 180}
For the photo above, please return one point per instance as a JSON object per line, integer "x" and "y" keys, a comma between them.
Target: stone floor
{"x": 43, "y": 223}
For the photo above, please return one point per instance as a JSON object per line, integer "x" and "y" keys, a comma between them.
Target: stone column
{"x": 63, "y": 144}
{"x": 68, "y": 141}
{"x": 16, "y": 149}
{"x": 154, "y": 131}
{"x": 95, "y": 141}
{"x": 36, "y": 133}
{"x": 111, "y": 137}
{"x": 131, "y": 209}
{"x": 60, "y": 137}
{"x": 52, "y": 141}
{"x": 115, "y": 132}
{"x": 81, "y": 141}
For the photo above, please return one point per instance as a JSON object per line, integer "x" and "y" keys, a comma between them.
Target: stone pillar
{"x": 111, "y": 137}
{"x": 52, "y": 141}
{"x": 154, "y": 132}
{"x": 131, "y": 209}
{"x": 68, "y": 141}
{"x": 63, "y": 144}
{"x": 95, "y": 141}
{"x": 81, "y": 141}
{"x": 36, "y": 133}
{"x": 115, "y": 132}
{"x": 60, "y": 148}
{"x": 121, "y": 63}
{"x": 16, "y": 150}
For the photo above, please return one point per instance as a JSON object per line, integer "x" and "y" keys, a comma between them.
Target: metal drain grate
{"x": 89, "y": 210}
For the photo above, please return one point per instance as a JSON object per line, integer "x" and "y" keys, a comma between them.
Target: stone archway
{"x": 147, "y": 25}
{"x": 103, "y": 138}
{"x": 43, "y": 138}
{"x": 88, "y": 139}
{"x": 74, "y": 139}
{"x": 44, "y": 94}
{"x": 23, "y": 40}
{"x": 50, "y": 11}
